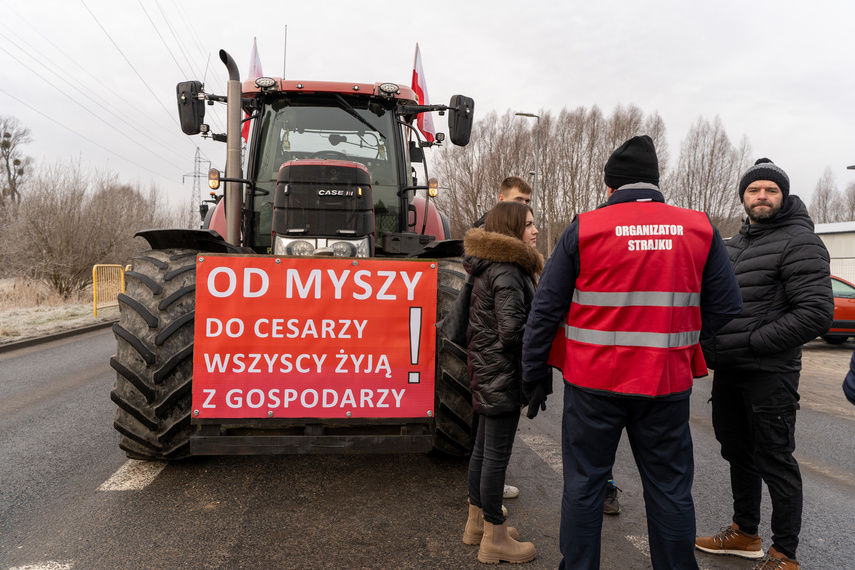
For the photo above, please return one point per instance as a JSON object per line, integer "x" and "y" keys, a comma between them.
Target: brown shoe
{"x": 776, "y": 561}
{"x": 474, "y": 531}
{"x": 733, "y": 541}
{"x": 498, "y": 546}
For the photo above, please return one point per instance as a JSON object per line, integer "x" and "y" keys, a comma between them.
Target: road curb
{"x": 9, "y": 347}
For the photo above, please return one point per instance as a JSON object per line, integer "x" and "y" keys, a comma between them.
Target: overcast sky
{"x": 95, "y": 79}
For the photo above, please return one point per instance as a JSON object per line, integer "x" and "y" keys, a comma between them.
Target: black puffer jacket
{"x": 504, "y": 269}
{"x": 783, "y": 273}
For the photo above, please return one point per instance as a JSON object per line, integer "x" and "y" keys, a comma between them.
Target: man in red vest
{"x": 635, "y": 286}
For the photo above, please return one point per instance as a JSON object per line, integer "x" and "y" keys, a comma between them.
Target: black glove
{"x": 535, "y": 395}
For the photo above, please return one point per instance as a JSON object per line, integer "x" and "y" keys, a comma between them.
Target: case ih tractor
{"x": 301, "y": 317}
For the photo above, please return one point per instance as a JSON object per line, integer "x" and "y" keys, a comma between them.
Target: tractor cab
{"x": 358, "y": 133}
{"x": 332, "y": 127}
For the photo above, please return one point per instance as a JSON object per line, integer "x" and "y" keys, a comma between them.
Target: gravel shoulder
{"x": 25, "y": 323}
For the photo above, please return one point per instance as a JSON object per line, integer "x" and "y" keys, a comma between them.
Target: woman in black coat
{"x": 504, "y": 263}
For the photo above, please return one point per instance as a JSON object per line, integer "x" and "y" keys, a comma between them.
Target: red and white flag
{"x": 254, "y": 73}
{"x": 424, "y": 120}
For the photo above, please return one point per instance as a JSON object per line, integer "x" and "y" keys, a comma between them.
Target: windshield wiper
{"x": 351, "y": 111}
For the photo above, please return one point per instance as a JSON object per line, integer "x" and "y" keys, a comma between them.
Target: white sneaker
{"x": 511, "y": 492}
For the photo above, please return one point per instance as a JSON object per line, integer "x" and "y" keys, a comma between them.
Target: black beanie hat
{"x": 764, "y": 169}
{"x": 633, "y": 161}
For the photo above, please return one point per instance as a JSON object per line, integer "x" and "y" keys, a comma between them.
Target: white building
{"x": 839, "y": 239}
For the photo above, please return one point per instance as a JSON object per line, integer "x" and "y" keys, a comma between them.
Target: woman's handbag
{"x": 455, "y": 323}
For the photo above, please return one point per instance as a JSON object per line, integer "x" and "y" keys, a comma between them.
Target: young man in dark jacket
{"x": 635, "y": 285}
{"x": 513, "y": 189}
{"x": 783, "y": 273}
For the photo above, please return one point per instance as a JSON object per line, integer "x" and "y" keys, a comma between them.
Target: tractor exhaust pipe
{"x": 233, "y": 191}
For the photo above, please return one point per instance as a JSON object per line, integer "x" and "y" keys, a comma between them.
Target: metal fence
{"x": 107, "y": 282}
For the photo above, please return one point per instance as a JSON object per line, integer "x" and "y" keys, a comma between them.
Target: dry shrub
{"x": 18, "y": 292}
{"x": 71, "y": 219}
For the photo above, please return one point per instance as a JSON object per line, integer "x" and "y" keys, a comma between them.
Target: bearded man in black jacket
{"x": 783, "y": 273}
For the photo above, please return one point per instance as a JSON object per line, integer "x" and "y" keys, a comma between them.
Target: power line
{"x": 176, "y": 39}
{"x": 178, "y": 65}
{"x": 90, "y": 111}
{"x": 64, "y": 52}
{"x": 195, "y": 36}
{"x": 82, "y": 136}
{"x": 147, "y": 86}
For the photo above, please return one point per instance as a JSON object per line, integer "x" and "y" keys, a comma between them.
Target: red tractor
{"x": 301, "y": 317}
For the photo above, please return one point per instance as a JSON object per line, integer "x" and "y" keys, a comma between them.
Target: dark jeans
{"x": 489, "y": 462}
{"x": 661, "y": 442}
{"x": 754, "y": 416}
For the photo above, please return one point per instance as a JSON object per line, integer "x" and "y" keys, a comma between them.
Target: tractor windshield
{"x": 308, "y": 127}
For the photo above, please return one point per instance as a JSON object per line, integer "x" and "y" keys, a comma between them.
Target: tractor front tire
{"x": 154, "y": 355}
{"x": 453, "y": 393}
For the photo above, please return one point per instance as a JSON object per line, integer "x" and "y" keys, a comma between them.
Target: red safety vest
{"x": 635, "y": 320}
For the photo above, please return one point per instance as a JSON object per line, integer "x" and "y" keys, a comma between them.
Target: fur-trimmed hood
{"x": 483, "y": 247}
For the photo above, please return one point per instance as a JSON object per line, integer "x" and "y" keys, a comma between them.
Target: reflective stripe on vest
{"x": 634, "y": 322}
{"x": 637, "y": 298}
{"x": 640, "y": 339}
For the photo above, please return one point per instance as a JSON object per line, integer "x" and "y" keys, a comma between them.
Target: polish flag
{"x": 424, "y": 120}
{"x": 254, "y": 73}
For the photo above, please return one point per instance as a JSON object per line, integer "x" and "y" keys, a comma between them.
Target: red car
{"x": 844, "y": 312}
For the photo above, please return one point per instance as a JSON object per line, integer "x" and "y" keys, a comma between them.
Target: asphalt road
{"x": 59, "y": 459}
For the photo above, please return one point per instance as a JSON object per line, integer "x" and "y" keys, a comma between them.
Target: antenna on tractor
{"x": 284, "y": 51}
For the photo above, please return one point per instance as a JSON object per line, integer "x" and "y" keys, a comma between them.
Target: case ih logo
{"x": 346, "y": 193}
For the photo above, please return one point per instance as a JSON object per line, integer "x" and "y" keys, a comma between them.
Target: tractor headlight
{"x": 288, "y": 246}
{"x": 306, "y": 246}
{"x": 343, "y": 249}
{"x": 300, "y": 247}
{"x": 351, "y": 248}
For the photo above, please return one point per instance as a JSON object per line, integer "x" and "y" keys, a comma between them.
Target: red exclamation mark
{"x": 415, "y": 341}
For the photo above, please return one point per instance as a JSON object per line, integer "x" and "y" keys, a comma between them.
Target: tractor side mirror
{"x": 191, "y": 109}
{"x": 460, "y": 117}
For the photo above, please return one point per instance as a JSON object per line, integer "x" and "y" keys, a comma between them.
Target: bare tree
{"x": 470, "y": 176}
{"x": 707, "y": 174}
{"x": 70, "y": 220}
{"x": 574, "y": 146}
{"x": 826, "y": 205}
{"x": 15, "y": 165}
{"x": 848, "y": 203}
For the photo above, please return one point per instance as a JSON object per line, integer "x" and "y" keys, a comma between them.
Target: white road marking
{"x": 550, "y": 451}
{"x": 133, "y": 476}
{"x": 640, "y": 542}
{"x": 547, "y": 448}
{"x": 51, "y": 565}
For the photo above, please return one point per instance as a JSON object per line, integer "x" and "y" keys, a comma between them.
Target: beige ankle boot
{"x": 498, "y": 546}
{"x": 474, "y": 531}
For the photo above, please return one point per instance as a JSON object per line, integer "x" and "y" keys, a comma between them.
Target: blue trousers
{"x": 661, "y": 443}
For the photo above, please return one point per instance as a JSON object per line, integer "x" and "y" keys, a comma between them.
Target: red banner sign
{"x": 313, "y": 338}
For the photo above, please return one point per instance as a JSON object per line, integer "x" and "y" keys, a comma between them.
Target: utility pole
{"x": 534, "y": 196}
{"x": 196, "y": 198}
